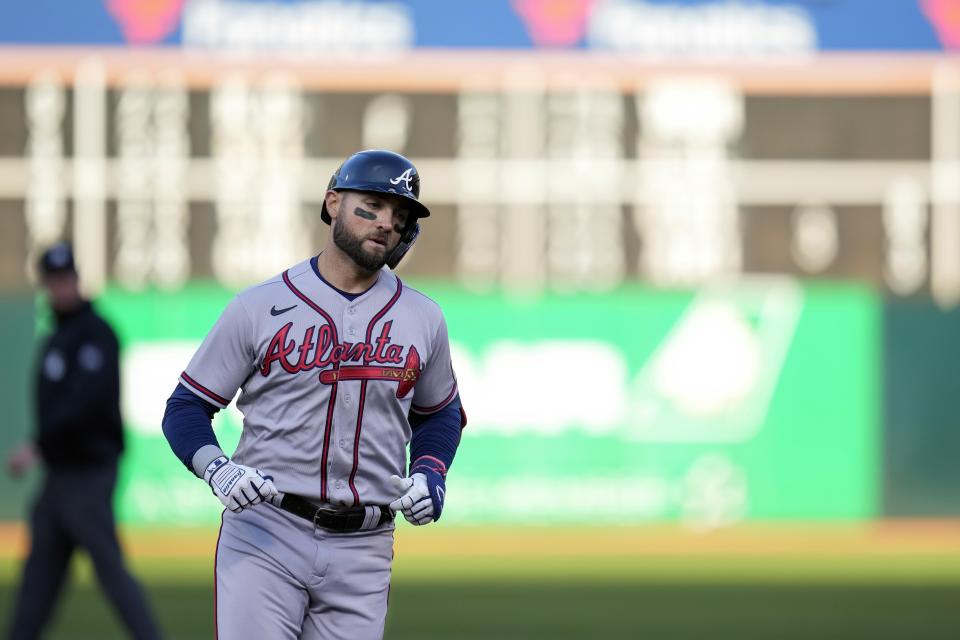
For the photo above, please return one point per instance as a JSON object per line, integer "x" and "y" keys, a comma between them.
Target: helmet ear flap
{"x": 324, "y": 214}
{"x": 409, "y": 236}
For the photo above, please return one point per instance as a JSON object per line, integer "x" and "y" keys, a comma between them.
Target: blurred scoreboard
{"x": 545, "y": 171}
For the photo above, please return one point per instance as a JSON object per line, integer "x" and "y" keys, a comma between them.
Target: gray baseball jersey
{"x": 326, "y": 383}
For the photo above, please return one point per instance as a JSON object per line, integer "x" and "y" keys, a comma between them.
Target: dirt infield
{"x": 913, "y": 537}
{"x": 934, "y": 537}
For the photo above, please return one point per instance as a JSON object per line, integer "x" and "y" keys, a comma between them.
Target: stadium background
{"x": 700, "y": 262}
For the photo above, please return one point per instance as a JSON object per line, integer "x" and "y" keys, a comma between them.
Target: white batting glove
{"x": 414, "y": 501}
{"x": 237, "y": 486}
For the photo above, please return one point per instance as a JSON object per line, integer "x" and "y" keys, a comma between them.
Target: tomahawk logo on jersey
{"x": 327, "y": 382}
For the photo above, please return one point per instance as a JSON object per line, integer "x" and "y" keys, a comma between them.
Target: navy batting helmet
{"x": 381, "y": 172}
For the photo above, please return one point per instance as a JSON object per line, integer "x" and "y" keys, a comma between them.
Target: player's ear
{"x": 333, "y": 200}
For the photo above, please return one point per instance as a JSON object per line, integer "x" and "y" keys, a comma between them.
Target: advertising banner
{"x": 653, "y": 27}
{"x": 757, "y": 400}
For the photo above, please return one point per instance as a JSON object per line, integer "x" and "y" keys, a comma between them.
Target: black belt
{"x": 340, "y": 519}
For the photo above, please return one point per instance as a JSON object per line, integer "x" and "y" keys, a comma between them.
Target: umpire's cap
{"x": 382, "y": 172}
{"x": 57, "y": 259}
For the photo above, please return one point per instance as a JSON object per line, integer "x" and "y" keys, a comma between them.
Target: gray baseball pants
{"x": 279, "y": 578}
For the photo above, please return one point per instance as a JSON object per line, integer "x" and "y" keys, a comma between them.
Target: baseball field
{"x": 887, "y": 580}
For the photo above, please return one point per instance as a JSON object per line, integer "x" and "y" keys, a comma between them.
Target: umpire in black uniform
{"x": 79, "y": 439}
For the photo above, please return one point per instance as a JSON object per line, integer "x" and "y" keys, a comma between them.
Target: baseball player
{"x": 340, "y": 367}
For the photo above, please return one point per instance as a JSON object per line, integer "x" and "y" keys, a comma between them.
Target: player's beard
{"x": 353, "y": 247}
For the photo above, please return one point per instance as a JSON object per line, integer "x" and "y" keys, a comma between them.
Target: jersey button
{"x": 352, "y": 311}
{"x": 343, "y": 444}
{"x": 339, "y": 484}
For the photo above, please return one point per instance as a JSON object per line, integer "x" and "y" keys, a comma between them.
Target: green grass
{"x": 529, "y": 610}
{"x": 559, "y": 597}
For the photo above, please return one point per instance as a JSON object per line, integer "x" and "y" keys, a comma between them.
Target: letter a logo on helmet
{"x": 405, "y": 178}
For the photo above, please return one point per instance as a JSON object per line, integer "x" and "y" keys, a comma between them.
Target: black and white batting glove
{"x": 238, "y": 486}
{"x": 422, "y": 493}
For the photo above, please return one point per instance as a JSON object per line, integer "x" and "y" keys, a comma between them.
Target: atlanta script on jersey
{"x": 326, "y": 383}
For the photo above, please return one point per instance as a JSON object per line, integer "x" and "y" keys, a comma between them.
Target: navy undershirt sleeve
{"x": 437, "y": 434}
{"x": 188, "y": 424}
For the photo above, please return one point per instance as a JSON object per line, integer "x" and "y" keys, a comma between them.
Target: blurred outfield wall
{"x": 597, "y": 172}
{"x": 757, "y": 400}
